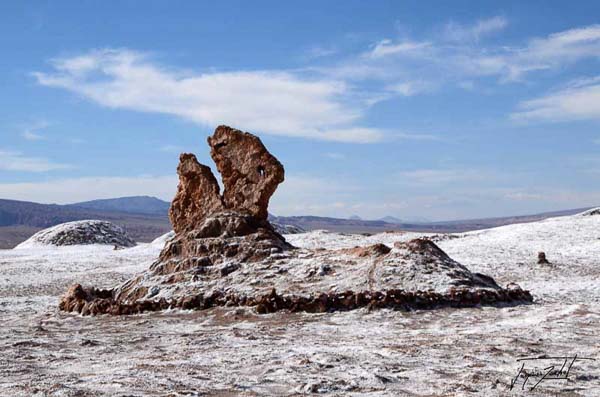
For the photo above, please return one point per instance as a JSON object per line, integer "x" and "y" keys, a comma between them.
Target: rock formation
{"x": 283, "y": 228}
{"x": 80, "y": 233}
{"x": 197, "y": 194}
{"x": 250, "y": 175}
{"x": 225, "y": 252}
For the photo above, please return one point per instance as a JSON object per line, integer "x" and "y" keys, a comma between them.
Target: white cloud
{"x": 554, "y": 51}
{"x": 387, "y": 47}
{"x": 566, "y": 46}
{"x": 483, "y": 27}
{"x": 17, "y": 161}
{"x": 459, "y": 56}
{"x": 32, "y": 136}
{"x": 320, "y": 52}
{"x": 273, "y": 102}
{"x": 580, "y": 102}
{"x": 31, "y": 132}
{"x": 410, "y": 88}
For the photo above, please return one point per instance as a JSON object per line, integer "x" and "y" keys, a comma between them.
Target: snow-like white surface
{"x": 86, "y": 232}
{"x": 160, "y": 241}
{"x": 233, "y": 351}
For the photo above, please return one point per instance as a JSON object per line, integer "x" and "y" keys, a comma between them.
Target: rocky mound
{"x": 225, "y": 252}
{"x": 592, "y": 212}
{"x": 80, "y": 233}
{"x": 282, "y": 228}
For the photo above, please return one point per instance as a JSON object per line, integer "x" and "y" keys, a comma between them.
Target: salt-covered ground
{"x": 232, "y": 351}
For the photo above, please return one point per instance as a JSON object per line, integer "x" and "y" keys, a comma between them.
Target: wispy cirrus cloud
{"x": 31, "y": 132}
{"x": 330, "y": 102}
{"x": 460, "y": 54}
{"x": 16, "y": 161}
{"x": 387, "y": 47}
{"x": 287, "y": 103}
{"x": 579, "y": 101}
{"x": 411, "y": 88}
{"x": 474, "y": 32}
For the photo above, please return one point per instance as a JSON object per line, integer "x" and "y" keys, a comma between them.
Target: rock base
{"x": 95, "y": 302}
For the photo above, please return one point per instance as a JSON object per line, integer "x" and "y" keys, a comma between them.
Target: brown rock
{"x": 249, "y": 172}
{"x": 371, "y": 250}
{"x": 197, "y": 194}
{"x": 542, "y": 258}
{"x": 423, "y": 246}
{"x": 250, "y": 176}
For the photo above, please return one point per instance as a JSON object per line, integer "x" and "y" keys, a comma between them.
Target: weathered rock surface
{"x": 250, "y": 173}
{"x": 197, "y": 194}
{"x": 80, "y": 233}
{"x": 282, "y": 228}
{"x": 414, "y": 275}
{"x": 225, "y": 252}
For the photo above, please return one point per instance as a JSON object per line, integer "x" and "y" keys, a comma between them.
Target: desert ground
{"x": 234, "y": 351}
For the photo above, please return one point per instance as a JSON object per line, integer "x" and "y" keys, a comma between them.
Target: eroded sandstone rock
{"x": 197, "y": 195}
{"x": 250, "y": 175}
{"x": 249, "y": 172}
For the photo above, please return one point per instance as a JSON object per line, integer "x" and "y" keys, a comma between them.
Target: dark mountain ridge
{"x": 133, "y": 205}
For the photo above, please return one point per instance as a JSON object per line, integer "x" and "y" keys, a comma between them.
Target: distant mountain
{"x": 411, "y": 219}
{"x": 391, "y": 219}
{"x": 355, "y": 218}
{"x": 391, "y": 223}
{"x": 334, "y": 224}
{"x": 132, "y": 205}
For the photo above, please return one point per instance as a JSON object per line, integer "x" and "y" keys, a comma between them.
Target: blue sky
{"x": 443, "y": 110}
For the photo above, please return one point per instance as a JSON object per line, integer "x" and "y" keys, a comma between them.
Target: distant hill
{"x": 391, "y": 223}
{"x": 133, "y": 205}
{"x": 21, "y": 219}
{"x": 413, "y": 219}
{"x": 355, "y": 218}
{"x": 335, "y": 224}
{"x": 145, "y": 218}
{"x": 391, "y": 219}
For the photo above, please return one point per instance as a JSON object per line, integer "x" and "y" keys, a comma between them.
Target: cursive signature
{"x": 557, "y": 368}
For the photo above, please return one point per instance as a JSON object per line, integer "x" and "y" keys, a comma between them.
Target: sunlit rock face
{"x": 249, "y": 172}
{"x": 226, "y": 253}
{"x": 250, "y": 175}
